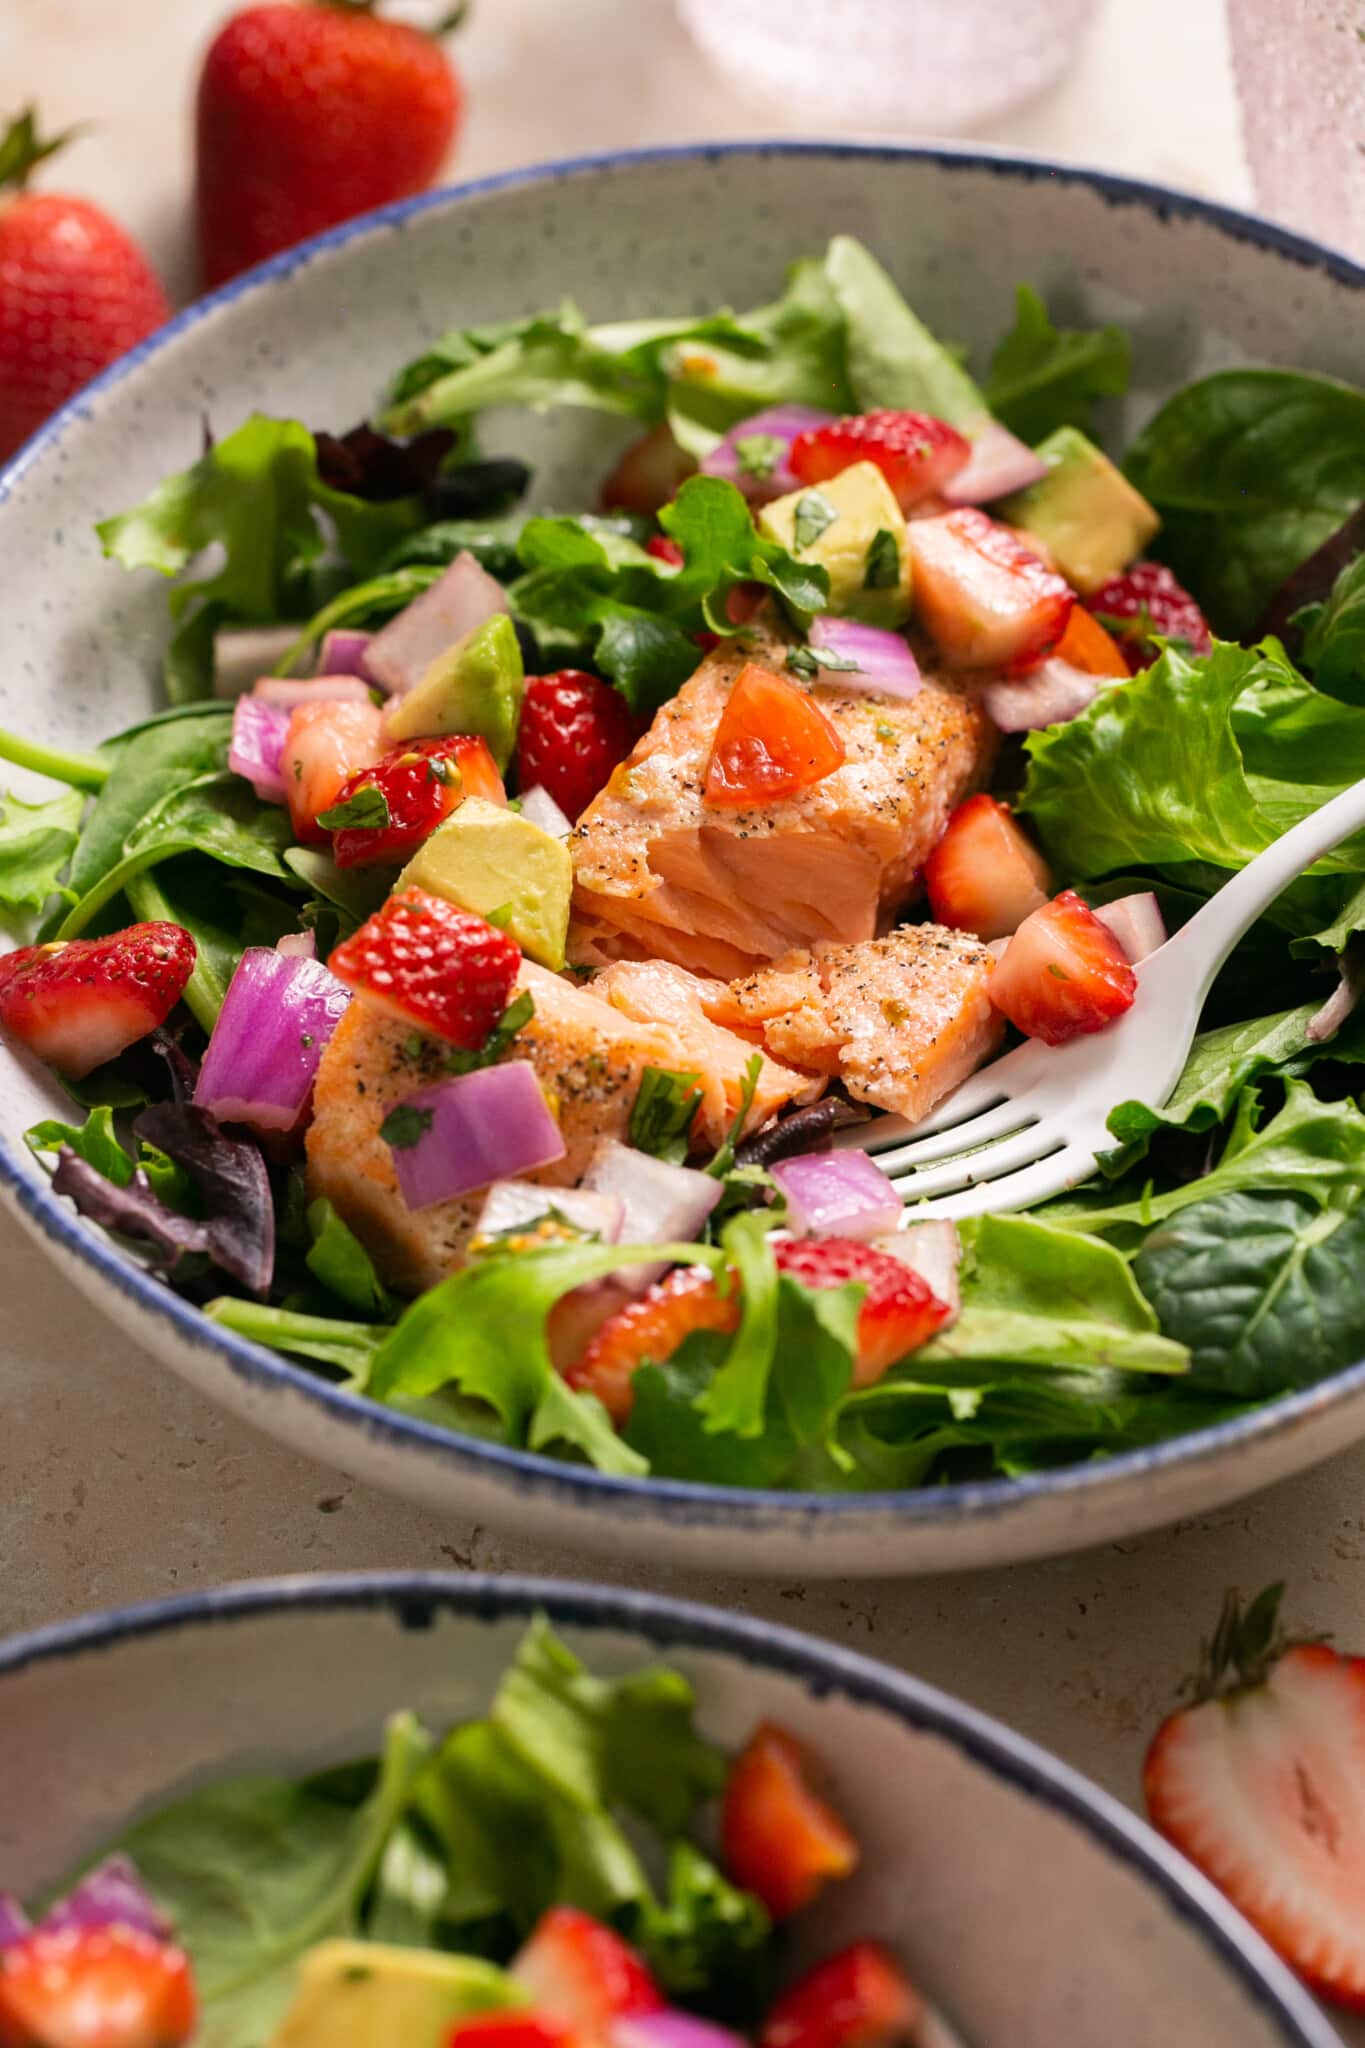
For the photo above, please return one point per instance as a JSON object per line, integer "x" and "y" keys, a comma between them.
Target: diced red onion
{"x": 520, "y": 1204}
{"x": 669, "y": 2028}
{"x": 837, "y": 1194}
{"x": 885, "y": 661}
{"x": 1048, "y": 695}
{"x": 278, "y": 1014}
{"x": 242, "y": 653}
{"x": 493, "y": 1124}
{"x": 343, "y": 653}
{"x": 663, "y": 1203}
{"x": 110, "y": 1895}
{"x": 998, "y": 464}
{"x": 283, "y": 690}
{"x": 1136, "y": 923}
{"x": 1344, "y": 997}
{"x": 779, "y": 423}
{"x": 934, "y": 1251}
{"x": 14, "y": 1921}
{"x": 540, "y": 807}
{"x": 300, "y": 945}
{"x": 463, "y": 597}
{"x": 258, "y": 734}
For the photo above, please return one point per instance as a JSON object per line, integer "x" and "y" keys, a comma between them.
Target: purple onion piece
{"x": 540, "y": 807}
{"x": 779, "y": 423}
{"x": 885, "y": 662}
{"x": 282, "y": 690}
{"x": 1329, "y": 1019}
{"x": 663, "y": 1203}
{"x": 1136, "y": 923}
{"x": 14, "y": 1921}
{"x": 258, "y": 736}
{"x": 837, "y": 1194}
{"x": 998, "y": 464}
{"x": 463, "y": 597}
{"x": 1050, "y": 694}
{"x": 299, "y": 945}
{"x": 110, "y": 1895}
{"x": 278, "y": 1014}
{"x": 493, "y": 1124}
{"x": 343, "y": 653}
{"x": 669, "y": 2028}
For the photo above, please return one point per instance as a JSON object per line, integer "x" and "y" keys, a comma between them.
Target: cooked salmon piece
{"x": 662, "y": 873}
{"x": 899, "y": 1020}
{"x": 589, "y": 1055}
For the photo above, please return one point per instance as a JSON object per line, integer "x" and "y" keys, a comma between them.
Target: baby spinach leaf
{"x": 339, "y": 1262}
{"x": 151, "y": 762}
{"x": 36, "y": 842}
{"x": 1043, "y": 377}
{"x": 893, "y": 360}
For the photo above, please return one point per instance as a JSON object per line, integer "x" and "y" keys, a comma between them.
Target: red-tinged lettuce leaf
{"x": 135, "y": 1211}
{"x": 239, "y": 1211}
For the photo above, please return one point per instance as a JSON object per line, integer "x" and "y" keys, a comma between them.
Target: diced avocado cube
{"x": 369, "y": 1994}
{"x": 853, "y": 527}
{"x": 499, "y": 865}
{"x": 476, "y": 686}
{"x": 1085, "y": 512}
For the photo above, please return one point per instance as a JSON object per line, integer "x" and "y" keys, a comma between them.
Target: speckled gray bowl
{"x": 1033, "y": 1909}
{"x": 315, "y": 334}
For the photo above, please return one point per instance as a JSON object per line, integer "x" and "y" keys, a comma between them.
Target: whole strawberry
{"x": 309, "y": 114}
{"x": 75, "y": 291}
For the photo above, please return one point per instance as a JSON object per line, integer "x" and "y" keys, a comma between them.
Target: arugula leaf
{"x": 1334, "y": 636}
{"x": 1251, "y": 470}
{"x": 893, "y": 359}
{"x": 1043, "y": 377}
{"x": 339, "y": 1262}
{"x": 36, "y": 842}
{"x": 662, "y": 1113}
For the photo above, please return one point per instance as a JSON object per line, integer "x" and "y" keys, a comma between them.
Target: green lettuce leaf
{"x": 339, "y": 1262}
{"x": 1043, "y": 377}
{"x": 1334, "y": 636}
{"x": 36, "y": 842}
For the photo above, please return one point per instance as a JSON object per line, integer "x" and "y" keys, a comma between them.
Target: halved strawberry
{"x": 95, "y": 1987}
{"x": 778, "y": 1838}
{"x": 81, "y": 1002}
{"x": 1144, "y": 601}
{"x": 650, "y": 1327}
{"x": 424, "y": 961}
{"x": 899, "y": 1312}
{"x": 1087, "y": 646}
{"x": 859, "y": 1998}
{"x": 985, "y": 875}
{"x": 648, "y": 474}
{"x": 407, "y": 794}
{"x": 916, "y": 453}
{"x": 665, "y": 550}
{"x": 574, "y": 730}
{"x": 983, "y": 597}
{"x": 772, "y": 741}
{"x": 583, "y": 1974}
{"x": 1063, "y": 973}
{"x": 325, "y": 745}
{"x": 508, "y": 2029}
{"x": 1259, "y": 1783}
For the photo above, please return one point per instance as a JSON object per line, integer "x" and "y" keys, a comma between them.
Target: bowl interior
{"x": 960, "y": 1823}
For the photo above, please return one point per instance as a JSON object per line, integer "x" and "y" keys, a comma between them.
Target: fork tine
{"x": 993, "y": 1163}
{"x": 1035, "y": 1183}
{"x": 1002, "y": 1122}
{"x": 1004, "y": 1077}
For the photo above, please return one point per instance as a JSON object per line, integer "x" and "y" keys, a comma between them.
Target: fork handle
{"x": 1200, "y": 947}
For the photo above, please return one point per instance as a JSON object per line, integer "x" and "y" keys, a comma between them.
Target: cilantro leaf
{"x": 883, "y": 566}
{"x": 662, "y": 1115}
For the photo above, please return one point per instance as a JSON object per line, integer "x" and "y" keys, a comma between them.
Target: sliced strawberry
{"x": 985, "y": 875}
{"x": 1146, "y": 600}
{"x": 574, "y": 730}
{"x": 1063, "y": 973}
{"x": 982, "y": 596}
{"x": 510, "y": 2029}
{"x": 1087, "y": 646}
{"x": 772, "y": 741}
{"x": 648, "y": 474}
{"x": 101, "y": 1987}
{"x": 778, "y": 1838}
{"x": 581, "y": 1973}
{"x": 1259, "y": 1784}
{"x": 415, "y": 788}
{"x": 916, "y": 453}
{"x": 860, "y": 1998}
{"x": 325, "y": 745}
{"x": 665, "y": 550}
{"x": 650, "y": 1327}
{"x": 79, "y": 1003}
{"x": 424, "y": 961}
{"x": 900, "y": 1311}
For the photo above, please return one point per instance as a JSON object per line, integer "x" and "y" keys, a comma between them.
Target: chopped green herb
{"x": 662, "y": 1116}
{"x": 501, "y": 916}
{"x": 518, "y": 1012}
{"x": 813, "y": 516}
{"x": 808, "y": 661}
{"x": 758, "y": 454}
{"x": 404, "y": 1125}
{"x": 724, "y": 1160}
{"x": 887, "y": 734}
{"x": 367, "y": 810}
{"x": 883, "y": 566}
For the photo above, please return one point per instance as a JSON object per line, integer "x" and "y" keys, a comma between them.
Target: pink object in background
{"x": 893, "y": 64}
{"x": 1300, "y": 70}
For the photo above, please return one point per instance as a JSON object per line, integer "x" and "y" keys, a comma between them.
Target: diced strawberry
{"x": 420, "y": 783}
{"x": 574, "y": 730}
{"x": 981, "y": 595}
{"x": 1259, "y": 1784}
{"x": 665, "y": 550}
{"x": 648, "y": 474}
{"x": 778, "y": 1838}
{"x": 772, "y": 741}
{"x": 583, "y": 1974}
{"x": 1087, "y": 646}
{"x": 900, "y": 1311}
{"x": 326, "y": 744}
{"x": 859, "y": 1998}
{"x": 100, "y": 1987}
{"x": 509, "y": 2029}
{"x": 81, "y": 1002}
{"x": 916, "y": 453}
{"x": 651, "y": 1326}
{"x": 424, "y": 961}
{"x": 1147, "y": 600}
{"x": 985, "y": 875}
{"x": 1063, "y": 973}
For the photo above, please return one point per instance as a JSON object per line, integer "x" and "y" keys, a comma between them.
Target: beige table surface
{"x": 118, "y": 1483}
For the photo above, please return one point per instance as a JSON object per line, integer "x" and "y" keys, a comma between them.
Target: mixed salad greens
{"x": 537, "y": 1878}
{"x": 1213, "y": 1265}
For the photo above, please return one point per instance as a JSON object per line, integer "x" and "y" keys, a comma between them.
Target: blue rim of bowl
{"x": 415, "y": 1599}
{"x": 683, "y": 1501}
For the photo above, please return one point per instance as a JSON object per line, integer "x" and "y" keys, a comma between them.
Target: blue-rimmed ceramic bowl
{"x": 314, "y": 334}
{"x": 1032, "y": 1908}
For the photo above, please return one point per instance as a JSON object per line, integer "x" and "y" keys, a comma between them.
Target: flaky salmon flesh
{"x": 900, "y": 1020}
{"x": 662, "y": 874}
{"x": 589, "y": 1053}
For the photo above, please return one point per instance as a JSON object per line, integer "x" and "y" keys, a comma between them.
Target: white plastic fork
{"x": 1031, "y": 1124}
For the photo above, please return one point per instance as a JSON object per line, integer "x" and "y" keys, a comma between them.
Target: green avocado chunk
{"x": 499, "y": 865}
{"x": 853, "y": 527}
{"x": 369, "y": 1994}
{"x": 476, "y": 686}
{"x": 1085, "y": 512}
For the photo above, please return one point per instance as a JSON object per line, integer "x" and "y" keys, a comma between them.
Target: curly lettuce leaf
{"x": 36, "y": 842}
